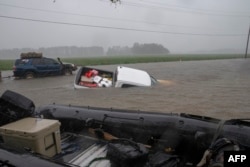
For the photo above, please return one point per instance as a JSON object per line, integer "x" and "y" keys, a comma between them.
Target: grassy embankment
{"x": 106, "y": 60}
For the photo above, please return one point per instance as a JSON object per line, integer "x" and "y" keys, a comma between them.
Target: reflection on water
{"x": 218, "y": 88}
{"x": 165, "y": 82}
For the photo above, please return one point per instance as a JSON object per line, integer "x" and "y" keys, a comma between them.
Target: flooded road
{"x": 217, "y": 88}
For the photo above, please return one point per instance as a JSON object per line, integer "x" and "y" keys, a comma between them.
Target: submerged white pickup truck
{"x": 88, "y": 77}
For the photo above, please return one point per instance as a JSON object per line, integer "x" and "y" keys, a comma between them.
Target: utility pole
{"x": 247, "y": 42}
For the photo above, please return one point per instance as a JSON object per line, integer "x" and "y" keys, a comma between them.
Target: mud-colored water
{"x": 217, "y": 88}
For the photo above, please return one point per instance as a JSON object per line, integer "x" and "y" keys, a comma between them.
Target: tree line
{"x": 139, "y": 49}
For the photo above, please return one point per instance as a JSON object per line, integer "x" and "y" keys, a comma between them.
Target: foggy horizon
{"x": 181, "y": 26}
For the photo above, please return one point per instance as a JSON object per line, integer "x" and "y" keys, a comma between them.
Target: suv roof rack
{"x": 31, "y": 55}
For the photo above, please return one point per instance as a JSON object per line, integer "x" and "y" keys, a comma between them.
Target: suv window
{"x": 21, "y": 61}
{"x": 37, "y": 61}
{"x": 50, "y": 61}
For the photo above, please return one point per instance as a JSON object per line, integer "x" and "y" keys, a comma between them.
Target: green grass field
{"x": 6, "y": 65}
{"x": 106, "y": 60}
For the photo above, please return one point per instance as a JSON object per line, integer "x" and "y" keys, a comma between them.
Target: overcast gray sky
{"x": 180, "y": 25}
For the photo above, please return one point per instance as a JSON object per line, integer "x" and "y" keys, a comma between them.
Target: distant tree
{"x": 115, "y": 1}
{"x": 151, "y": 48}
{"x": 118, "y": 50}
{"x": 138, "y": 49}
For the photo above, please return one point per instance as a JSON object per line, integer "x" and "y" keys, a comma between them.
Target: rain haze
{"x": 182, "y": 26}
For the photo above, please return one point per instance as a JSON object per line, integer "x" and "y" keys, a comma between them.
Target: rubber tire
{"x": 29, "y": 75}
{"x": 67, "y": 72}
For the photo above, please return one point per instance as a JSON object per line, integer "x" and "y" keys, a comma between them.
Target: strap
{"x": 218, "y": 131}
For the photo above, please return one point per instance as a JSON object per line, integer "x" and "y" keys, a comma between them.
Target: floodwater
{"x": 217, "y": 88}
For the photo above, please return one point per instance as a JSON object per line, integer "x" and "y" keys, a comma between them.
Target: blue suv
{"x": 34, "y": 65}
